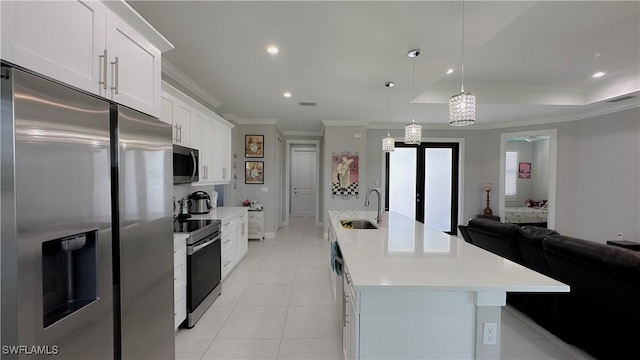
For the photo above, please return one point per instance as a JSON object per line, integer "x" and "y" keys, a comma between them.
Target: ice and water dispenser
{"x": 69, "y": 275}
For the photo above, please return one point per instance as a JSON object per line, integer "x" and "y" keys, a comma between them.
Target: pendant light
{"x": 388, "y": 143}
{"x": 413, "y": 131}
{"x": 462, "y": 106}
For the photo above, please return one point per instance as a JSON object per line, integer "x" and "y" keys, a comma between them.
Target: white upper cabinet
{"x": 196, "y": 133}
{"x": 182, "y": 124}
{"x": 105, "y": 48}
{"x": 206, "y": 151}
{"x": 197, "y": 127}
{"x": 222, "y": 151}
{"x": 60, "y": 39}
{"x": 133, "y": 69}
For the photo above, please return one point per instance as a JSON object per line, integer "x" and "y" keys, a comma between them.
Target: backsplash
{"x": 184, "y": 190}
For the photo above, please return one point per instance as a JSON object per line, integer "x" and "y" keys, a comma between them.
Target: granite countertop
{"x": 404, "y": 254}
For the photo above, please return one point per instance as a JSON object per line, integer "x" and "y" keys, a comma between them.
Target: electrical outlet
{"x": 490, "y": 334}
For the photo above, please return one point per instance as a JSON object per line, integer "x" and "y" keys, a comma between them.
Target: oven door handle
{"x": 195, "y": 249}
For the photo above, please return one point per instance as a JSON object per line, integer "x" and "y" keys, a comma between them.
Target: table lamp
{"x": 487, "y": 187}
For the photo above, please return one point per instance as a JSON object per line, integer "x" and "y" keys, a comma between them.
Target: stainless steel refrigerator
{"x": 86, "y": 226}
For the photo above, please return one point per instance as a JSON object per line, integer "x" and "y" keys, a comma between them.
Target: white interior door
{"x": 303, "y": 174}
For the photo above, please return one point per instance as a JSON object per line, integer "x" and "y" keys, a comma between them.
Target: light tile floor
{"x": 278, "y": 304}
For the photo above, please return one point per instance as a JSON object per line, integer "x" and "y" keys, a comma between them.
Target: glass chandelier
{"x": 462, "y": 106}
{"x": 388, "y": 143}
{"x": 413, "y": 131}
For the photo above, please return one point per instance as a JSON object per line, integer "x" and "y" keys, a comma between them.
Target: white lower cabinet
{"x": 240, "y": 233}
{"x": 234, "y": 241}
{"x": 351, "y": 320}
{"x": 179, "y": 279}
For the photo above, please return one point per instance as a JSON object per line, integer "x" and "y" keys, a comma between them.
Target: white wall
{"x": 598, "y": 172}
{"x": 599, "y": 177}
{"x": 540, "y": 177}
{"x": 254, "y": 191}
{"x": 479, "y": 162}
{"x": 339, "y": 139}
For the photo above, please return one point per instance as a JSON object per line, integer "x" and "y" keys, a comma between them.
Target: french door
{"x": 422, "y": 183}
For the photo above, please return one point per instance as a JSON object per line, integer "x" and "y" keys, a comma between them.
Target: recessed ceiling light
{"x": 272, "y": 50}
{"x": 449, "y": 71}
{"x": 287, "y": 94}
{"x": 598, "y": 74}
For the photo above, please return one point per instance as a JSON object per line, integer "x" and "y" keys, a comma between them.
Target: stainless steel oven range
{"x": 203, "y": 265}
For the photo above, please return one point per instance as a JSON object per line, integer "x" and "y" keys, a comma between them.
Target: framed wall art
{"x": 344, "y": 177}
{"x": 254, "y": 146}
{"x": 524, "y": 170}
{"x": 254, "y": 172}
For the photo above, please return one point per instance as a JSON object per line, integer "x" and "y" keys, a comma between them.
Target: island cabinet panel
{"x": 416, "y": 325}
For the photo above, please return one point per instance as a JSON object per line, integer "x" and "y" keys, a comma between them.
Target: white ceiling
{"x": 527, "y": 62}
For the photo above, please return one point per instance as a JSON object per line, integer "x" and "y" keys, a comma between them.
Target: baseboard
{"x": 269, "y": 235}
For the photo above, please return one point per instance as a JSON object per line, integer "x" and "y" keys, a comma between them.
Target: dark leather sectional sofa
{"x": 601, "y": 313}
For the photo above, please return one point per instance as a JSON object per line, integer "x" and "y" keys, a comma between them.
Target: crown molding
{"x": 142, "y": 26}
{"x": 177, "y": 75}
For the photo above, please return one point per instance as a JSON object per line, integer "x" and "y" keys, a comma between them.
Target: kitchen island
{"x": 413, "y": 292}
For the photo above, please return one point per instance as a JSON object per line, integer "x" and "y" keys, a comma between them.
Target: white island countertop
{"x": 404, "y": 254}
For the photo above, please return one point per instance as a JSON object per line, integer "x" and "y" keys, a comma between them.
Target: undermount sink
{"x": 358, "y": 224}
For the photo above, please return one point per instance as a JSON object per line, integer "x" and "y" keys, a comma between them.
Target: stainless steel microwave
{"x": 185, "y": 165}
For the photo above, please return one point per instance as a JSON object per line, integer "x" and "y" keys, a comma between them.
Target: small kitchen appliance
{"x": 184, "y": 209}
{"x": 199, "y": 203}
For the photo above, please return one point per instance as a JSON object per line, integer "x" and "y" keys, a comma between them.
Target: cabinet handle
{"x": 175, "y": 136}
{"x": 180, "y": 128}
{"x": 103, "y": 82}
{"x": 115, "y": 72}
